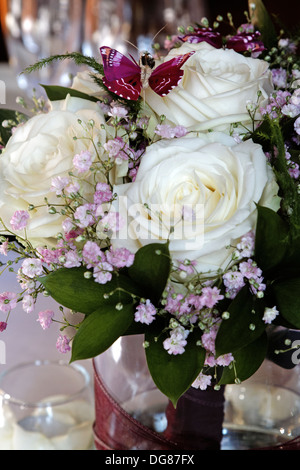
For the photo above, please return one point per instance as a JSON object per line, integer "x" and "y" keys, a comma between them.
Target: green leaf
{"x": 286, "y": 296}
{"x": 151, "y": 270}
{"x": 271, "y": 239}
{"x": 262, "y": 21}
{"x": 174, "y": 375}
{"x": 245, "y": 368}
{"x": 100, "y": 330}
{"x": 71, "y": 289}
{"x": 244, "y": 325}
{"x": 57, "y": 93}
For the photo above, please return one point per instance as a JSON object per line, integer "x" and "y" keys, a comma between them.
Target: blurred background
{"x": 33, "y": 29}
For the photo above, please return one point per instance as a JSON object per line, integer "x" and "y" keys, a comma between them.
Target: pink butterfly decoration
{"x": 126, "y": 78}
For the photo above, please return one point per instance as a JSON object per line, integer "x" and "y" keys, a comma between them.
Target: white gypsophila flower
{"x": 270, "y": 314}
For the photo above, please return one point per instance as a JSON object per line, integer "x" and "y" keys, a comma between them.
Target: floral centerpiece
{"x": 162, "y": 198}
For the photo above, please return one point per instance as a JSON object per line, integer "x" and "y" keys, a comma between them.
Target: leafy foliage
{"x": 244, "y": 325}
{"x": 174, "y": 375}
{"x": 109, "y": 308}
{"x": 263, "y": 22}
{"x": 56, "y": 93}
{"x": 151, "y": 270}
{"x": 243, "y": 368}
{"x": 92, "y": 295}
{"x": 100, "y": 330}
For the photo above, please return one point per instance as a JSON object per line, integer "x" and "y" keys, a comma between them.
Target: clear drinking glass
{"x": 36, "y": 29}
{"x": 46, "y": 406}
{"x": 263, "y": 411}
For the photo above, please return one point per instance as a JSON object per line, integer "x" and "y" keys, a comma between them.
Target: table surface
{"x": 25, "y": 340}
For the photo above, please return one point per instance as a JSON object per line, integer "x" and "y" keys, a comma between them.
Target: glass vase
{"x": 132, "y": 414}
{"x": 46, "y": 406}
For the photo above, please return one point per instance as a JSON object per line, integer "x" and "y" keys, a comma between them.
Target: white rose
{"x": 41, "y": 149}
{"x": 215, "y": 89}
{"x": 202, "y": 192}
{"x": 85, "y": 83}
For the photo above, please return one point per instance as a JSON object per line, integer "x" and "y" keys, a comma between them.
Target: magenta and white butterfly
{"x": 126, "y": 78}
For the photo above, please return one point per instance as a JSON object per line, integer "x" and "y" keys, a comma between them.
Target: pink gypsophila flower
{"x": 73, "y": 188}
{"x": 187, "y": 267}
{"x": 103, "y": 273}
{"x": 8, "y": 301}
{"x": 297, "y": 125}
{"x": 208, "y": 339}
{"x": 92, "y": 254}
{"x": 180, "y": 131}
{"x": 117, "y": 111}
{"x": 19, "y": 220}
{"x": 250, "y": 270}
{"x": 45, "y": 319}
{"x": 112, "y": 221}
{"x": 72, "y": 259}
{"x": 173, "y": 303}
{"x": 103, "y": 193}
{"x": 83, "y": 161}
{"x": 224, "y": 360}
{"x": 28, "y": 303}
{"x": 117, "y": 149}
{"x": 32, "y": 267}
{"x": 165, "y": 131}
{"x": 63, "y": 344}
{"x": 202, "y": 381}
{"x": 270, "y": 314}
{"x": 211, "y": 296}
{"x": 120, "y": 258}
{"x": 85, "y": 215}
{"x": 145, "y": 313}
{"x": 175, "y": 345}
{"x": 246, "y": 245}
{"x": 4, "y": 248}
{"x": 234, "y": 282}
{"x": 50, "y": 256}
{"x": 58, "y": 184}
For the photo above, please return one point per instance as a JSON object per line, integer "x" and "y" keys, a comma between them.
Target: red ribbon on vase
{"x": 115, "y": 429}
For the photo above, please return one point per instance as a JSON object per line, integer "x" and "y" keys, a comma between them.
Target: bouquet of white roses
{"x": 162, "y": 198}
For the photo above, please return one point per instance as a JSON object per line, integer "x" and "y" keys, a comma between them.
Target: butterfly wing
{"x": 121, "y": 75}
{"x": 168, "y": 75}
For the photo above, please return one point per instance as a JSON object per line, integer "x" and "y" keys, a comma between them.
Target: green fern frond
{"x": 77, "y": 57}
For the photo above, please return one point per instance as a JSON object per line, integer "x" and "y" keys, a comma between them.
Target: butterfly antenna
{"x": 135, "y": 47}
{"x": 160, "y": 31}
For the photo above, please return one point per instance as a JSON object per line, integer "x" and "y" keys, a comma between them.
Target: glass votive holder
{"x": 46, "y": 406}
